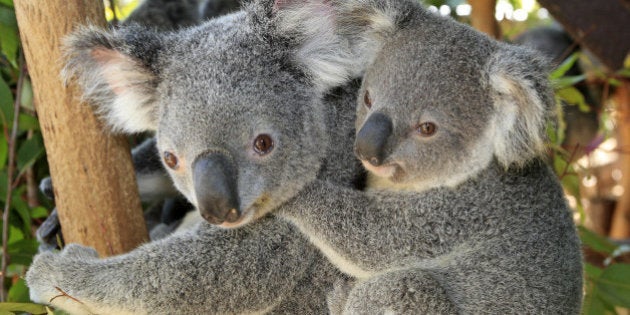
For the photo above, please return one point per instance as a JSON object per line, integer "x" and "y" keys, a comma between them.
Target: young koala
{"x": 242, "y": 99}
{"x": 464, "y": 216}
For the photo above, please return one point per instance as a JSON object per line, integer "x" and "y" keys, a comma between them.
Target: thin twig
{"x": 63, "y": 293}
{"x": 10, "y": 171}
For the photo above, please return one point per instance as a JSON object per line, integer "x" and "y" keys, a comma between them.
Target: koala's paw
{"x": 52, "y": 276}
{"x": 47, "y": 234}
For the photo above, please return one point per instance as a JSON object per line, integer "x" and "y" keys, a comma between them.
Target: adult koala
{"x": 464, "y": 216}
{"x": 244, "y": 87}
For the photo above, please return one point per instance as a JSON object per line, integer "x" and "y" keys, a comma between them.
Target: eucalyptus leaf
{"x": 23, "y": 307}
{"x": 572, "y": 96}
{"x": 6, "y": 104}
{"x": 614, "y": 285}
{"x": 39, "y": 213}
{"x": 4, "y": 152}
{"x": 27, "y": 122}
{"x": 30, "y": 150}
{"x": 567, "y": 81}
{"x": 9, "y": 41}
{"x": 27, "y": 95}
{"x": 18, "y": 292}
{"x": 22, "y": 251}
{"x": 596, "y": 242}
{"x": 8, "y": 3}
{"x": 562, "y": 69}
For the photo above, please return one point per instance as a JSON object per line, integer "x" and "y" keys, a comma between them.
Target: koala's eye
{"x": 367, "y": 99}
{"x": 427, "y": 129}
{"x": 263, "y": 144}
{"x": 171, "y": 160}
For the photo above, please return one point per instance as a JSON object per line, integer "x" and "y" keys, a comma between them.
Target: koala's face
{"x": 424, "y": 115}
{"x": 238, "y": 129}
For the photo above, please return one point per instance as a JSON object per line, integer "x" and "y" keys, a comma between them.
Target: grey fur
{"x": 485, "y": 228}
{"x": 211, "y": 87}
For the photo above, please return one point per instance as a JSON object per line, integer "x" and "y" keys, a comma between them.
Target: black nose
{"x": 214, "y": 178}
{"x": 371, "y": 139}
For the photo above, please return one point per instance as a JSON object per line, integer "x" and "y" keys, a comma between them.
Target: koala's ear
{"x": 524, "y": 103}
{"x": 331, "y": 35}
{"x": 114, "y": 70}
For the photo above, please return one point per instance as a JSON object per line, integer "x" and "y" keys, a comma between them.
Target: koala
{"x": 464, "y": 217}
{"x": 243, "y": 99}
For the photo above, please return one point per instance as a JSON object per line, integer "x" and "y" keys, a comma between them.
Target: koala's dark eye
{"x": 263, "y": 144}
{"x": 171, "y": 160}
{"x": 427, "y": 129}
{"x": 367, "y": 99}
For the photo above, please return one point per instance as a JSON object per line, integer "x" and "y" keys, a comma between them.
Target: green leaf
{"x": 9, "y": 41}
{"x": 614, "y": 285}
{"x": 596, "y": 242}
{"x": 624, "y": 73}
{"x": 15, "y": 235}
{"x": 563, "y": 82}
{"x": 27, "y": 122}
{"x": 4, "y": 152}
{"x": 22, "y": 208}
{"x": 562, "y": 69}
{"x": 573, "y": 96}
{"x": 6, "y": 104}
{"x": 28, "y": 153}
{"x": 22, "y": 252}
{"x": 614, "y": 82}
{"x": 27, "y": 95}
{"x": 23, "y": 307}
{"x": 39, "y": 213}
{"x": 8, "y": 3}
{"x": 18, "y": 292}
{"x": 593, "y": 305}
{"x": 592, "y": 271}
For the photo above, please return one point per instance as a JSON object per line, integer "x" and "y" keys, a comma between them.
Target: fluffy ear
{"x": 335, "y": 37}
{"x": 114, "y": 70}
{"x": 524, "y": 103}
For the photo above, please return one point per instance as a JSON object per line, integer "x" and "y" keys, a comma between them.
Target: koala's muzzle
{"x": 372, "y": 138}
{"x": 214, "y": 178}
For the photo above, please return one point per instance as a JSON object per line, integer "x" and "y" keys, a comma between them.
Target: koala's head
{"x": 439, "y": 100}
{"x": 236, "y": 103}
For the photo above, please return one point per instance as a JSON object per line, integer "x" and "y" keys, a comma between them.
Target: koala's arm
{"x": 369, "y": 229}
{"x": 207, "y": 270}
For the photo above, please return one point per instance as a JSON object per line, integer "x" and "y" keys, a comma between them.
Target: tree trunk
{"x": 482, "y": 17}
{"x": 93, "y": 177}
{"x": 620, "y": 228}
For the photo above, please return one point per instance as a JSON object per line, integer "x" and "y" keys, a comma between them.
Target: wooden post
{"x": 620, "y": 226}
{"x": 482, "y": 17}
{"x": 92, "y": 173}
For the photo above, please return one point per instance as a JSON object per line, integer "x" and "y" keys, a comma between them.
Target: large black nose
{"x": 371, "y": 139}
{"x": 214, "y": 178}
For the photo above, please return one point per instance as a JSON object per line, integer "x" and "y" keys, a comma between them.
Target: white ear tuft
{"x": 524, "y": 102}
{"x": 121, "y": 87}
{"x": 321, "y": 51}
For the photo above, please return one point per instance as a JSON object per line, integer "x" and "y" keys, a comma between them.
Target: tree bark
{"x": 620, "y": 226}
{"x": 95, "y": 192}
{"x": 482, "y": 17}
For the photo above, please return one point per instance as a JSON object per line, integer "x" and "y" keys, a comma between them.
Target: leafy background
{"x": 23, "y": 163}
